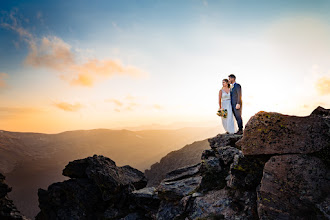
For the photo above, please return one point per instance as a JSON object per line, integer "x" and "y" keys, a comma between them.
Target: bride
{"x": 224, "y": 103}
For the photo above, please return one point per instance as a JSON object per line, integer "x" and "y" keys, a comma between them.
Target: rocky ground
{"x": 278, "y": 169}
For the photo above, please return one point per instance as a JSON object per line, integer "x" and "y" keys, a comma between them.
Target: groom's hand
{"x": 238, "y": 106}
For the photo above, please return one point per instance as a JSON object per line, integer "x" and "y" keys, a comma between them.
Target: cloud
{"x": 127, "y": 104}
{"x": 94, "y": 70}
{"x": 116, "y": 101}
{"x": 10, "y": 21}
{"x": 323, "y": 85}
{"x": 3, "y": 83}
{"x": 53, "y": 53}
{"x": 68, "y": 107}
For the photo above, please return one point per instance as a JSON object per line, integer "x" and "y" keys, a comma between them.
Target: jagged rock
{"x": 186, "y": 156}
{"x": 8, "y": 210}
{"x": 174, "y": 190}
{"x": 147, "y": 199}
{"x": 98, "y": 189}
{"x": 246, "y": 171}
{"x": 212, "y": 173}
{"x": 274, "y": 133}
{"x": 223, "y": 140}
{"x": 4, "y": 188}
{"x": 324, "y": 207}
{"x": 319, "y": 111}
{"x": 182, "y": 173}
{"x": 208, "y": 153}
{"x": 105, "y": 174}
{"x": 180, "y": 183}
{"x": 292, "y": 185}
{"x": 226, "y": 154}
{"x": 224, "y": 204}
{"x": 170, "y": 210}
{"x": 133, "y": 216}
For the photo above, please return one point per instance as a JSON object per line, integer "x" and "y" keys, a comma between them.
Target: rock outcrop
{"x": 8, "y": 210}
{"x": 186, "y": 156}
{"x": 98, "y": 189}
{"x": 278, "y": 169}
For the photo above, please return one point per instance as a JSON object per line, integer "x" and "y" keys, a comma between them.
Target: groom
{"x": 236, "y": 101}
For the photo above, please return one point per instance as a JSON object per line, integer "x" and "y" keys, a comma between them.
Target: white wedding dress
{"x": 229, "y": 123}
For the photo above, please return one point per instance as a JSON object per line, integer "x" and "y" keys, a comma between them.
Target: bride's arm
{"x": 220, "y": 95}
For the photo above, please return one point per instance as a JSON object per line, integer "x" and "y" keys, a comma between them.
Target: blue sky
{"x": 170, "y": 56}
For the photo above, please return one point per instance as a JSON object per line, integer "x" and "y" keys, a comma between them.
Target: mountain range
{"x": 34, "y": 160}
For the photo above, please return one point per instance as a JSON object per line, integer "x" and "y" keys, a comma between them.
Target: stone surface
{"x": 274, "y": 133}
{"x": 174, "y": 190}
{"x": 186, "y": 156}
{"x": 8, "y": 210}
{"x": 226, "y": 154}
{"x": 292, "y": 185}
{"x": 246, "y": 171}
{"x": 147, "y": 199}
{"x": 105, "y": 174}
{"x": 98, "y": 189}
{"x": 223, "y": 140}
{"x": 182, "y": 173}
{"x": 224, "y": 204}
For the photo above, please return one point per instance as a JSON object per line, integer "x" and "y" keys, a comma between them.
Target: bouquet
{"x": 222, "y": 113}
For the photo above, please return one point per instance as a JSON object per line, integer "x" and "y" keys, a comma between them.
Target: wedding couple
{"x": 230, "y": 98}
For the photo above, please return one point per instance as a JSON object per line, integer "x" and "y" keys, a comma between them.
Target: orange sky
{"x": 112, "y": 70}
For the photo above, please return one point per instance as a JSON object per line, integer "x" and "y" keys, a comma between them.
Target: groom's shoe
{"x": 240, "y": 132}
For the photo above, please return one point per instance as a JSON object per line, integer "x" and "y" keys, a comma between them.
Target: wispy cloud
{"x": 323, "y": 85}
{"x": 3, "y": 83}
{"x": 116, "y": 101}
{"x": 68, "y": 106}
{"x": 53, "y": 53}
{"x": 128, "y": 103}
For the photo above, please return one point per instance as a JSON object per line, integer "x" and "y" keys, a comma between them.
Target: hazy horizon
{"x": 72, "y": 65}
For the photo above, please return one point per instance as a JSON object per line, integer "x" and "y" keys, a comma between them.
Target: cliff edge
{"x": 278, "y": 169}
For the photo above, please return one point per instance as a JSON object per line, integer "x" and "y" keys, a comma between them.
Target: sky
{"x": 70, "y": 65}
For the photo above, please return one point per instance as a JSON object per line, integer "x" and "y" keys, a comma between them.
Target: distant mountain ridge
{"x": 278, "y": 169}
{"x": 188, "y": 155}
{"x": 39, "y": 158}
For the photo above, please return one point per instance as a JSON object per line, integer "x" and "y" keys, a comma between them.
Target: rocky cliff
{"x": 186, "y": 156}
{"x": 278, "y": 169}
{"x": 8, "y": 210}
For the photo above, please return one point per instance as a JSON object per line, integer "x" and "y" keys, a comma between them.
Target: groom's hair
{"x": 232, "y": 76}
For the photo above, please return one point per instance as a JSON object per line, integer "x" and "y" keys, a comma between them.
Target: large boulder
{"x": 274, "y": 133}
{"x": 105, "y": 174}
{"x": 293, "y": 185}
{"x": 97, "y": 189}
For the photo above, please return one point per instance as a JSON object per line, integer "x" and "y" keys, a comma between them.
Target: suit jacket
{"x": 236, "y": 95}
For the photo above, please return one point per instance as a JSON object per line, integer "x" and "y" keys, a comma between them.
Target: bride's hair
{"x": 226, "y": 80}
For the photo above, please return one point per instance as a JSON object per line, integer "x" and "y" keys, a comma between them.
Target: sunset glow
{"x": 69, "y": 65}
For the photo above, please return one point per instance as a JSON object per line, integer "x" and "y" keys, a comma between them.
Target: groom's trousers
{"x": 238, "y": 116}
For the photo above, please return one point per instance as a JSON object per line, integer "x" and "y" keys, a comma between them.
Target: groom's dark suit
{"x": 236, "y": 98}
